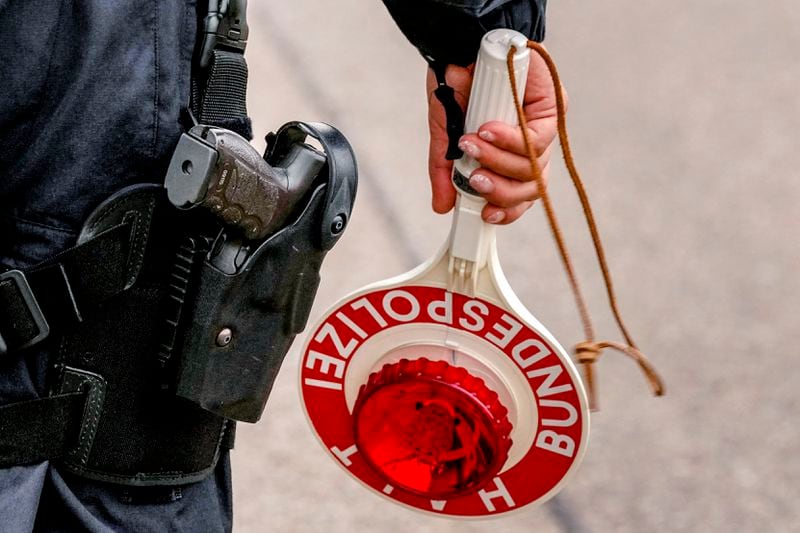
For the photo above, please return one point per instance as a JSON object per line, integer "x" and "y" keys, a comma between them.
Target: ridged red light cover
{"x": 431, "y": 428}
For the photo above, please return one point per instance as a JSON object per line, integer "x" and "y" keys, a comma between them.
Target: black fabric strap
{"x": 65, "y": 286}
{"x": 47, "y": 429}
{"x": 226, "y": 88}
{"x": 39, "y": 430}
{"x": 220, "y": 97}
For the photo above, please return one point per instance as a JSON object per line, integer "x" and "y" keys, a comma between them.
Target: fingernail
{"x": 486, "y": 135}
{"x": 496, "y": 217}
{"x": 481, "y": 183}
{"x": 469, "y": 148}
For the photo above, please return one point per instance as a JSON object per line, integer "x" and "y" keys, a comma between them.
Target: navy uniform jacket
{"x": 90, "y": 95}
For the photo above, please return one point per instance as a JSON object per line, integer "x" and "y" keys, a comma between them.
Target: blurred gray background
{"x": 685, "y": 119}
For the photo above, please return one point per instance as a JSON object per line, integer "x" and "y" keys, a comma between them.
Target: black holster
{"x": 169, "y": 362}
{"x": 241, "y": 325}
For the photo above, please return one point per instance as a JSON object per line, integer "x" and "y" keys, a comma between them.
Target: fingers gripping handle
{"x": 490, "y": 99}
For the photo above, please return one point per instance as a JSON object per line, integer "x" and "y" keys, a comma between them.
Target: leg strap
{"x": 40, "y": 430}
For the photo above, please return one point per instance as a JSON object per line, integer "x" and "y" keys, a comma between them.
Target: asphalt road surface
{"x": 685, "y": 121}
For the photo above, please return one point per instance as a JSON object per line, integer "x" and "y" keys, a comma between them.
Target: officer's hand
{"x": 504, "y": 177}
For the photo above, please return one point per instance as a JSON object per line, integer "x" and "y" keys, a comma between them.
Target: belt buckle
{"x": 24, "y": 289}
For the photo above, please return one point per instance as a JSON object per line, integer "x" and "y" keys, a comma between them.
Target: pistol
{"x": 219, "y": 171}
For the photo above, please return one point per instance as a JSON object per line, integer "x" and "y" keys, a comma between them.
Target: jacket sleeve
{"x": 450, "y": 31}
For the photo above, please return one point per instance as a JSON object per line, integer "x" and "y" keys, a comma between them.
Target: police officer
{"x": 91, "y": 95}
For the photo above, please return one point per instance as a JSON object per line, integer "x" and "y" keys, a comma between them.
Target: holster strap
{"x": 57, "y": 427}
{"x": 219, "y": 71}
{"x": 38, "y": 430}
{"x": 57, "y": 292}
{"x": 223, "y": 96}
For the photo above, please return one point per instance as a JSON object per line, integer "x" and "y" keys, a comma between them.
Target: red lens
{"x": 431, "y": 428}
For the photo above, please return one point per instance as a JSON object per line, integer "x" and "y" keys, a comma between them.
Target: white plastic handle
{"x": 490, "y": 99}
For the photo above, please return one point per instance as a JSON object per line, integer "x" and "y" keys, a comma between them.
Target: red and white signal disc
{"x": 530, "y": 374}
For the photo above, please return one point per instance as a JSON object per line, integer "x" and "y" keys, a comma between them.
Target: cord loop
{"x": 588, "y": 351}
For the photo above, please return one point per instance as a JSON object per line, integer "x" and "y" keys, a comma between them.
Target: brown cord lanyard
{"x": 589, "y": 350}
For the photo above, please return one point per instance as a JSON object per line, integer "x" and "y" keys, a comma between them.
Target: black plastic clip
{"x": 35, "y": 312}
{"x": 453, "y": 112}
{"x": 225, "y": 26}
